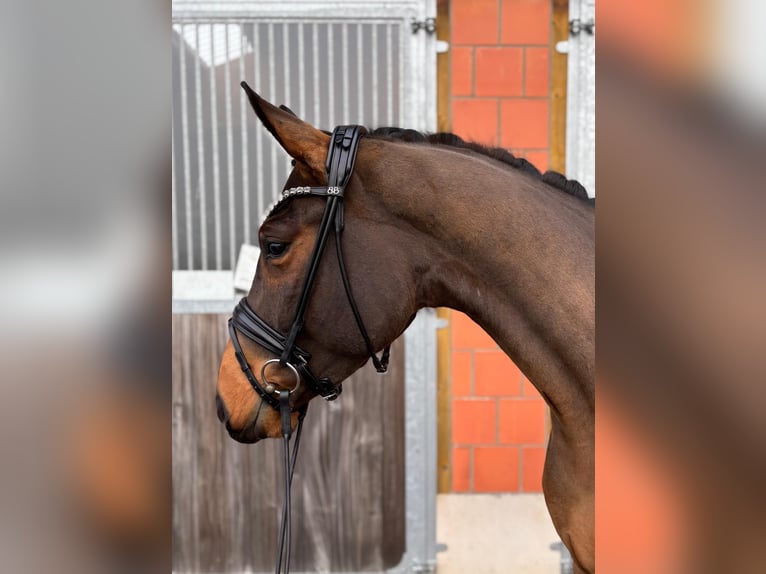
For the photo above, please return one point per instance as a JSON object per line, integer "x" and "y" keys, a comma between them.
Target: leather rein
{"x": 341, "y": 157}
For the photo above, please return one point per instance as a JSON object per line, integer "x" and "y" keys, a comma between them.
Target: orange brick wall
{"x": 500, "y": 75}
{"x": 500, "y": 83}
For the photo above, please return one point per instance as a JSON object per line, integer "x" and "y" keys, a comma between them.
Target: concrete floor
{"x": 496, "y": 534}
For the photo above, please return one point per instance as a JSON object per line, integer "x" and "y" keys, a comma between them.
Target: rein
{"x": 341, "y": 157}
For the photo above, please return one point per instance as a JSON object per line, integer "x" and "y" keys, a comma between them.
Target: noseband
{"x": 341, "y": 157}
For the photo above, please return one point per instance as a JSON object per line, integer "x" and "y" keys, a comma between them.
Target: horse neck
{"x": 514, "y": 254}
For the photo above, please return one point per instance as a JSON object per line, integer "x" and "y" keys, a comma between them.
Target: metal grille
{"x": 226, "y": 168}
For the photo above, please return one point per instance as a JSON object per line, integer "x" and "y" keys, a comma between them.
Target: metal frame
{"x": 213, "y": 292}
{"x": 581, "y": 99}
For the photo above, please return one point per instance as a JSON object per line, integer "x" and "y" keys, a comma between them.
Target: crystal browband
{"x": 330, "y": 191}
{"x": 307, "y": 190}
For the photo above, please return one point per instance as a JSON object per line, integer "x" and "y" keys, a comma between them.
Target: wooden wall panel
{"x": 348, "y": 490}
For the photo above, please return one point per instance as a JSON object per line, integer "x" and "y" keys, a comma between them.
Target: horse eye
{"x": 275, "y": 249}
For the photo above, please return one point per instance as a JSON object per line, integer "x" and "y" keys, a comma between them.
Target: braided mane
{"x": 552, "y": 178}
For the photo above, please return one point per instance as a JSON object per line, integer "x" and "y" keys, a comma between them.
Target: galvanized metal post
{"x": 403, "y": 93}
{"x": 581, "y": 94}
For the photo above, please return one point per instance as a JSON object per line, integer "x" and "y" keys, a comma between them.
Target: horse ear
{"x": 301, "y": 140}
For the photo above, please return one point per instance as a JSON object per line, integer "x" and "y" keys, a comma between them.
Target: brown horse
{"x": 437, "y": 224}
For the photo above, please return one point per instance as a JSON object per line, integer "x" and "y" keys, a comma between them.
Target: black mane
{"x": 552, "y": 178}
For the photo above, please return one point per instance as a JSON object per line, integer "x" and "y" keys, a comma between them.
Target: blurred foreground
{"x": 85, "y": 485}
{"x": 681, "y": 431}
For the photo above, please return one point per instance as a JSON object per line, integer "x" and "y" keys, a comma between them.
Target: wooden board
{"x": 348, "y": 490}
{"x": 443, "y": 350}
{"x": 560, "y": 18}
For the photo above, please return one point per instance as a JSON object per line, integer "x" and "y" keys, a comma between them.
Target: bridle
{"x": 341, "y": 157}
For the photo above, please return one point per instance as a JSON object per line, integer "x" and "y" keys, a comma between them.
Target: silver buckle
{"x": 269, "y": 387}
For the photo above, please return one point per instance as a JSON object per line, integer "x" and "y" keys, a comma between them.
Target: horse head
{"x": 333, "y": 341}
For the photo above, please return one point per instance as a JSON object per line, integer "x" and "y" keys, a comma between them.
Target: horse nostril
{"x": 223, "y": 414}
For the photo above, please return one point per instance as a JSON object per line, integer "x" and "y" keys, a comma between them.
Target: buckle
{"x": 327, "y": 390}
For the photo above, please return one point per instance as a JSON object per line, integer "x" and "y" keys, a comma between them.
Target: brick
{"x": 526, "y": 22}
{"x": 495, "y": 375}
{"x": 462, "y": 71}
{"x": 462, "y": 373}
{"x": 524, "y": 124}
{"x": 473, "y": 422}
{"x": 461, "y": 469}
{"x": 521, "y": 421}
{"x": 532, "y": 462}
{"x": 468, "y": 335}
{"x": 537, "y": 71}
{"x": 475, "y": 120}
{"x": 499, "y": 71}
{"x": 474, "y": 21}
{"x": 495, "y": 469}
{"x": 529, "y": 390}
{"x": 539, "y": 159}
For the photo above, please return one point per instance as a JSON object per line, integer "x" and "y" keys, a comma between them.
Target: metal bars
{"x": 225, "y": 170}
{"x": 215, "y": 156}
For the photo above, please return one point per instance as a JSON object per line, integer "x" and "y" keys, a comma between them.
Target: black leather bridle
{"x": 341, "y": 157}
